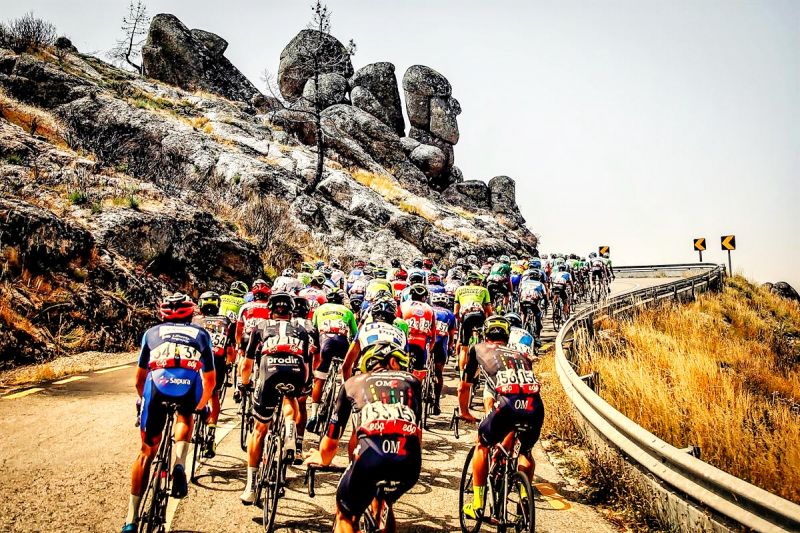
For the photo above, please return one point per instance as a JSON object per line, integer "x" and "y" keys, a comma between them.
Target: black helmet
{"x": 384, "y": 309}
{"x": 416, "y": 277}
{"x": 282, "y": 302}
{"x": 395, "y": 263}
{"x": 416, "y": 263}
{"x": 209, "y": 303}
{"x": 301, "y": 307}
{"x": 336, "y": 295}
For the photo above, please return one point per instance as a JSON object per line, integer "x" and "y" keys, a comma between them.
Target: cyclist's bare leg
{"x": 255, "y": 446}
{"x": 344, "y": 523}
{"x": 480, "y": 465}
{"x": 316, "y": 390}
{"x": 526, "y": 465}
{"x": 215, "y": 408}
{"x": 464, "y": 393}
{"x": 141, "y": 468}
{"x": 302, "y": 416}
{"x": 438, "y": 380}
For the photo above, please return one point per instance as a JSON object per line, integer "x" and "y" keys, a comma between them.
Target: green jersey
{"x": 230, "y": 305}
{"x": 472, "y": 296}
{"x": 304, "y": 278}
{"x": 335, "y": 319}
{"x": 501, "y": 269}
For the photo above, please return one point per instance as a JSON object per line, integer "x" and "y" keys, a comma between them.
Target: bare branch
{"x": 134, "y": 29}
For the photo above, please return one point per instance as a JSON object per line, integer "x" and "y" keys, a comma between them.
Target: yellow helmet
{"x": 498, "y": 324}
{"x": 380, "y": 352}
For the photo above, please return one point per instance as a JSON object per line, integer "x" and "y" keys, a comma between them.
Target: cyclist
{"x": 499, "y": 282}
{"x": 560, "y": 281}
{"x": 172, "y": 357}
{"x": 452, "y": 285}
{"x": 287, "y": 282}
{"x": 355, "y": 273}
{"x": 531, "y": 293}
{"x": 315, "y": 293}
{"x": 421, "y": 320}
{"x": 399, "y": 282}
{"x": 486, "y": 268}
{"x": 223, "y": 339}
{"x": 472, "y": 306}
{"x": 472, "y": 263}
{"x": 337, "y": 275}
{"x": 417, "y": 267}
{"x": 336, "y": 325}
{"x": 387, "y": 400}
{"x": 377, "y": 285}
{"x": 381, "y": 325}
{"x": 233, "y": 301}
{"x": 457, "y": 269}
{"x": 252, "y": 312}
{"x": 511, "y": 400}
{"x": 394, "y": 266}
{"x": 300, "y": 314}
{"x": 304, "y": 276}
{"x": 518, "y": 338}
{"x": 283, "y": 344}
{"x": 445, "y": 337}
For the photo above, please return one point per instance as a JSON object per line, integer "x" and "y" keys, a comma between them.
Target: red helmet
{"x": 427, "y": 263}
{"x": 260, "y": 290}
{"x": 176, "y": 308}
{"x": 401, "y": 274}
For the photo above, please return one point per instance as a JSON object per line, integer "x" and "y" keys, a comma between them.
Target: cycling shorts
{"x": 221, "y": 366}
{"x": 597, "y": 274}
{"x": 560, "y": 290}
{"x": 330, "y": 346}
{"x": 523, "y": 413}
{"x": 372, "y": 465}
{"x": 274, "y": 380}
{"x": 469, "y": 323}
{"x": 419, "y": 356}
{"x": 440, "y": 352}
{"x": 154, "y": 409}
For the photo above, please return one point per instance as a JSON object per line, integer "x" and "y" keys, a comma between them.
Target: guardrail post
{"x": 592, "y": 380}
{"x": 692, "y": 450}
{"x": 675, "y": 293}
{"x": 693, "y": 297}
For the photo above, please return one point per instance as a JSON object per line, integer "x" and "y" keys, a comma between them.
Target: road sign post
{"x": 699, "y": 246}
{"x": 729, "y": 244}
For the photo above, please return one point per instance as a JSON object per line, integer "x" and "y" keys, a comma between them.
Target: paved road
{"x": 66, "y": 449}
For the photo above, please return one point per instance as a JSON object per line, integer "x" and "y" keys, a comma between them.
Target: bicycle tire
{"x": 468, "y": 525}
{"x": 273, "y": 482}
{"x": 223, "y": 390}
{"x": 244, "y": 421}
{"x": 524, "y": 518}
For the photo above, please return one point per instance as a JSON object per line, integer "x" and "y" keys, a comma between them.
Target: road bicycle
{"x": 558, "y": 312}
{"x": 428, "y": 391}
{"x": 271, "y": 475}
{"x": 529, "y": 323}
{"x": 246, "y": 420}
{"x": 199, "y": 441}
{"x": 376, "y": 517}
{"x": 330, "y": 392}
{"x": 509, "y": 496}
{"x": 156, "y": 496}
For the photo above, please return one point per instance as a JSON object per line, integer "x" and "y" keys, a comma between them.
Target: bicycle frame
{"x": 158, "y": 487}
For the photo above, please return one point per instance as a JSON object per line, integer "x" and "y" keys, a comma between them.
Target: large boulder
{"x": 296, "y": 66}
{"x": 443, "y": 119}
{"x": 783, "y": 289}
{"x": 471, "y": 194}
{"x": 502, "y": 197}
{"x": 192, "y": 60}
{"x": 332, "y": 90}
{"x": 376, "y": 86}
{"x": 429, "y": 159}
{"x": 425, "y": 81}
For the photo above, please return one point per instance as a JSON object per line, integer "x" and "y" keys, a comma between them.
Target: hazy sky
{"x": 637, "y": 124}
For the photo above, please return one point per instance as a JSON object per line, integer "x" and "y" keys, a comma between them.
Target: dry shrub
{"x": 721, "y": 373}
{"x": 27, "y": 34}
{"x": 32, "y": 119}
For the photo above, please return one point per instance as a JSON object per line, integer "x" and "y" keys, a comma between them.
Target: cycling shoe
{"x": 179, "y": 486}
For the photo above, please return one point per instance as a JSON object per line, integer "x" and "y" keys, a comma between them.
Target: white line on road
{"x": 69, "y": 380}
{"x": 22, "y": 393}
{"x": 113, "y": 369}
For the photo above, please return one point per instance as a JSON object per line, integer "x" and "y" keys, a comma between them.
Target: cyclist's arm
{"x": 143, "y": 364}
{"x": 230, "y": 343}
{"x": 209, "y": 373}
{"x": 350, "y": 359}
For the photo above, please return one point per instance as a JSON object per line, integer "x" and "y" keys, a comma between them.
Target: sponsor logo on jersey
{"x": 164, "y": 380}
{"x": 189, "y": 331}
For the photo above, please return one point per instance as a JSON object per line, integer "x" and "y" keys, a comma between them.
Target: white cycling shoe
{"x": 248, "y": 497}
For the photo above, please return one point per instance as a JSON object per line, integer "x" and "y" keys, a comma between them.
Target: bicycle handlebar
{"x": 312, "y": 471}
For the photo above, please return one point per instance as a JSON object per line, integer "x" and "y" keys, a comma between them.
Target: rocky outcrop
{"x": 193, "y": 60}
{"x": 374, "y": 89}
{"x": 433, "y": 114}
{"x": 332, "y": 90}
{"x": 502, "y": 198}
{"x": 783, "y": 289}
{"x": 296, "y": 63}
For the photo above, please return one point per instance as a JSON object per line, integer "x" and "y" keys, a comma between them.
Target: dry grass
{"x": 63, "y": 366}
{"x": 382, "y": 184}
{"x": 722, "y": 373}
{"x": 32, "y": 119}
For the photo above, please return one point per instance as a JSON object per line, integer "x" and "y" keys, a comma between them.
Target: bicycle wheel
{"x": 465, "y": 494}
{"x": 520, "y": 512}
{"x": 154, "y": 519}
{"x": 244, "y": 420}
{"x": 223, "y": 390}
{"x": 198, "y": 441}
{"x": 273, "y": 480}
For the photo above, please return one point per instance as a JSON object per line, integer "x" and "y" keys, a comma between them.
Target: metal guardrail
{"x": 691, "y": 495}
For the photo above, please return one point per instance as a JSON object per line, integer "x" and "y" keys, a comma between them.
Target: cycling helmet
{"x": 327, "y": 272}
{"x": 496, "y": 328}
{"x": 434, "y": 279}
{"x": 317, "y": 278}
{"x": 288, "y": 273}
{"x": 319, "y": 264}
{"x": 379, "y": 272}
{"x": 384, "y": 309}
{"x": 474, "y": 275}
{"x": 335, "y": 295}
{"x": 536, "y": 275}
{"x": 505, "y": 259}
{"x": 514, "y": 320}
{"x": 562, "y": 267}
{"x": 380, "y": 353}
{"x": 335, "y": 263}
{"x": 416, "y": 277}
{"x": 395, "y": 263}
{"x": 176, "y": 308}
{"x": 400, "y": 274}
{"x": 472, "y": 259}
{"x": 359, "y": 263}
{"x": 306, "y": 267}
{"x": 490, "y": 259}
{"x": 514, "y": 258}
{"x": 301, "y": 307}
{"x": 281, "y": 303}
{"x": 238, "y": 288}
{"x": 367, "y": 270}
{"x": 457, "y": 275}
{"x": 460, "y": 262}
{"x": 209, "y": 303}
{"x": 417, "y": 263}
{"x": 260, "y": 290}
{"x": 427, "y": 263}
{"x": 418, "y": 292}
{"x": 440, "y": 298}
{"x": 536, "y": 263}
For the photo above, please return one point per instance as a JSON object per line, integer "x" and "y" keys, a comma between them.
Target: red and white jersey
{"x": 315, "y": 298}
{"x": 399, "y": 286}
{"x": 251, "y": 315}
{"x": 421, "y": 320}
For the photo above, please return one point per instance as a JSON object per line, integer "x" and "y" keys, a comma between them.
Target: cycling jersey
{"x": 315, "y": 297}
{"x": 445, "y": 327}
{"x": 250, "y": 315}
{"x": 472, "y": 298}
{"x": 452, "y": 286}
{"x": 304, "y": 278}
{"x": 352, "y": 277}
{"x": 531, "y": 291}
{"x": 334, "y": 319}
{"x": 359, "y": 286}
{"x": 500, "y": 269}
{"x": 373, "y": 332}
{"x": 398, "y": 286}
{"x": 387, "y": 406}
{"x": 376, "y": 286}
{"x": 421, "y": 320}
{"x": 520, "y": 340}
{"x": 437, "y": 289}
{"x": 284, "y": 346}
{"x": 287, "y": 284}
{"x": 337, "y": 276}
{"x": 561, "y": 278}
{"x": 223, "y": 336}
{"x": 230, "y": 305}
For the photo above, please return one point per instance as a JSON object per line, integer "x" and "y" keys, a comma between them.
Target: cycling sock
{"x": 314, "y": 409}
{"x": 477, "y": 496}
{"x": 251, "y": 474}
{"x": 290, "y": 434}
{"x": 133, "y": 509}
{"x": 299, "y": 443}
{"x": 181, "y": 451}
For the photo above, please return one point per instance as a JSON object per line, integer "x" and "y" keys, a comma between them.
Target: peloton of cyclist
{"x": 511, "y": 401}
{"x": 387, "y": 400}
{"x": 176, "y": 365}
{"x": 284, "y": 370}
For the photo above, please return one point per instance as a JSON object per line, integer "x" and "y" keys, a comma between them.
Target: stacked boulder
{"x": 374, "y": 89}
{"x": 432, "y": 112}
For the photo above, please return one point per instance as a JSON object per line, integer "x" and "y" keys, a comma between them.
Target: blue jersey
{"x": 176, "y": 354}
{"x": 515, "y": 278}
{"x": 520, "y": 340}
{"x": 445, "y": 323}
{"x": 436, "y": 289}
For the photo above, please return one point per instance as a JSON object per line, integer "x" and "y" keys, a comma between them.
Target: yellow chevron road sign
{"x": 700, "y": 244}
{"x": 728, "y": 242}
{"x": 604, "y": 250}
